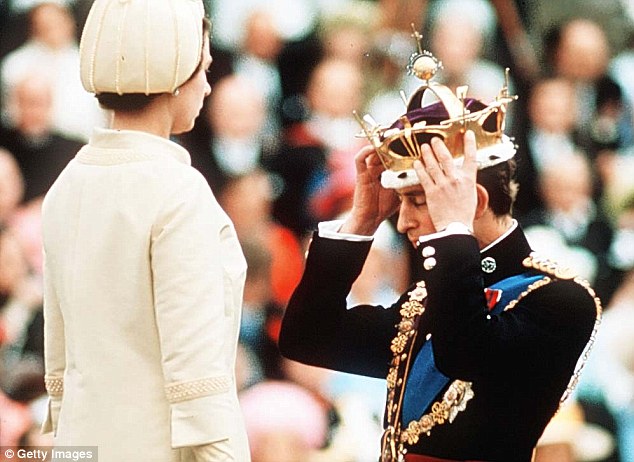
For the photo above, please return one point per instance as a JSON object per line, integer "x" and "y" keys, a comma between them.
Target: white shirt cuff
{"x": 452, "y": 228}
{"x": 330, "y": 230}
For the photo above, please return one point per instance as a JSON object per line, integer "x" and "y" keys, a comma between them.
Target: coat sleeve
{"x": 196, "y": 323}
{"x": 54, "y": 352}
{"x": 319, "y": 329}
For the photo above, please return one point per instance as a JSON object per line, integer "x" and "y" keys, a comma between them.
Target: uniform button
{"x": 429, "y": 263}
{"x": 428, "y": 251}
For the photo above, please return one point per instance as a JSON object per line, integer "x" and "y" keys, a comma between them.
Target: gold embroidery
{"x": 411, "y": 308}
{"x": 535, "y": 285}
{"x": 549, "y": 267}
{"x": 399, "y": 342}
{"x": 391, "y": 378}
{"x": 454, "y": 400}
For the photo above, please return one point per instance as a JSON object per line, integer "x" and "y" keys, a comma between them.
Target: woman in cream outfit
{"x": 143, "y": 270}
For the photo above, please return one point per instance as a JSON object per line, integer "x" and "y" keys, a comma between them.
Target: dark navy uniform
{"x": 511, "y": 366}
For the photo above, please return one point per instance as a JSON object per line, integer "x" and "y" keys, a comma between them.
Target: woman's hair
{"x": 499, "y": 181}
{"x": 133, "y": 102}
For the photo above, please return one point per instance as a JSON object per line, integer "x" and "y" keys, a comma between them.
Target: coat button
{"x": 428, "y": 251}
{"x": 429, "y": 263}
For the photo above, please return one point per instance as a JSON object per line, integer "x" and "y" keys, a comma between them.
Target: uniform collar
{"x": 503, "y": 258}
{"x": 136, "y": 142}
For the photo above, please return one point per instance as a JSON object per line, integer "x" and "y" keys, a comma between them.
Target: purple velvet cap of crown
{"x": 435, "y": 113}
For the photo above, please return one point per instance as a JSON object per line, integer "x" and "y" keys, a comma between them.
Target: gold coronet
{"x": 399, "y": 144}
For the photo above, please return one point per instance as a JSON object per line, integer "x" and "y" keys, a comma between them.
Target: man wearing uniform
{"x": 479, "y": 354}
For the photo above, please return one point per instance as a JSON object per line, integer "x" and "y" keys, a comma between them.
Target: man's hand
{"x": 372, "y": 203}
{"x": 450, "y": 190}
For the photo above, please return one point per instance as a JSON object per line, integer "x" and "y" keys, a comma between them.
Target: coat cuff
{"x": 204, "y": 420}
{"x": 52, "y": 415}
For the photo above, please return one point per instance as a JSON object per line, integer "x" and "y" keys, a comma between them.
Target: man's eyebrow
{"x": 411, "y": 194}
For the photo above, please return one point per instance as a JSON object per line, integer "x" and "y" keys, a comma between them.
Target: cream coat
{"x": 143, "y": 288}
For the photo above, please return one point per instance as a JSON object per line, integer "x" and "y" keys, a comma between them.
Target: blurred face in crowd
{"x": 236, "y": 108}
{"x": 347, "y": 43}
{"x": 191, "y": 95}
{"x": 456, "y": 43}
{"x": 566, "y": 189}
{"x": 583, "y": 51}
{"x": 53, "y": 25}
{"x": 11, "y": 185}
{"x": 247, "y": 201}
{"x": 31, "y": 106}
{"x": 13, "y": 266}
{"x": 262, "y": 38}
{"x": 335, "y": 88}
{"x": 552, "y": 106}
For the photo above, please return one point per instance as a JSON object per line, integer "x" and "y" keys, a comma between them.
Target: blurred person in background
{"x": 609, "y": 379}
{"x": 256, "y": 60}
{"x": 570, "y": 437}
{"x": 620, "y": 256}
{"x": 236, "y": 144}
{"x": 334, "y": 91}
{"x": 21, "y": 340}
{"x": 550, "y": 134}
{"x": 388, "y": 55}
{"x": 354, "y": 405}
{"x": 11, "y": 186}
{"x": 285, "y": 422}
{"x": 41, "y": 150}
{"x": 621, "y": 67}
{"x": 143, "y": 272}
{"x": 241, "y": 121}
{"x": 460, "y": 29}
{"x": 52, "y": 50}
{"x": 21, "y": 318}
{"x": 247, "y": 199}
{"x": 611, "y": 15}
{"x": 572, "y": 217}
{"x": 21, "y": 304}
{"x": 345, "y": 32}
{"x": 258, "y": 309}
{"x": 579, "y": 51}
{"x": 334, "y": 201}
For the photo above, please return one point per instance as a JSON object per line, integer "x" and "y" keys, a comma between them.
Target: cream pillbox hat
{"x": 140, "y": 46}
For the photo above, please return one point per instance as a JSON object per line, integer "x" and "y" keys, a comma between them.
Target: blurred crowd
{"x": 276, "y": 141}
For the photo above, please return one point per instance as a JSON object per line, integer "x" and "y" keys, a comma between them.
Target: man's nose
{"x": 404, "y": 220}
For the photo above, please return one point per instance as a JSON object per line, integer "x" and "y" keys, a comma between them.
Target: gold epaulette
{"x": 549, "y": 267}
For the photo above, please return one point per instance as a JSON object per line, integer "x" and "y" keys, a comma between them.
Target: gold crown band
{"x": 399, "y": 145}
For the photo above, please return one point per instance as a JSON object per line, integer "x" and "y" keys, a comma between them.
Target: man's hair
{"x": 499, "y": 181}
{"x": 133, "y": 102}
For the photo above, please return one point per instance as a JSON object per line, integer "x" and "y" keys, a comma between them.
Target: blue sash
{"x": 425, "y": 381}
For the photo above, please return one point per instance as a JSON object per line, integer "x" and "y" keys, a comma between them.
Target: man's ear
{"x": 483, "y": 200}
